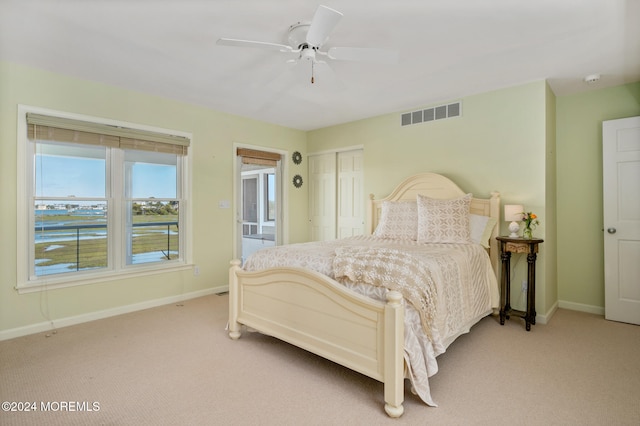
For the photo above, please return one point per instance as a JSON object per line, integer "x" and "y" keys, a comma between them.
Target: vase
{"x": 527, "y": 233}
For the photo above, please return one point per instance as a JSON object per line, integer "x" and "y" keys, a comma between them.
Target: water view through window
{"x": 69, "y": 237}
{"x": 73, "y": 213}
{"x": 73, "y": 237}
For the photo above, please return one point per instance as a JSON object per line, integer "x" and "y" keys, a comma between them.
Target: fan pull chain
{"x": 312, "y": 78}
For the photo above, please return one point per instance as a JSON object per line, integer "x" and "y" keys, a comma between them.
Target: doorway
{"x": 259, "y": 201}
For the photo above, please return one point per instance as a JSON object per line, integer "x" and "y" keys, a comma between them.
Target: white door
{"x": 621, "y": 184}
{"x": 322, "y": 196}
{"x": 350, "y": 196}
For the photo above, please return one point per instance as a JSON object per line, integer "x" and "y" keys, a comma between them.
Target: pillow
{"x": 443, "y": 221}
{"x": 480, "y": 228}
{"x": 399, "y": 220}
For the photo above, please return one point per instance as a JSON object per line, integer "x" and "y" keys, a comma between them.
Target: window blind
{"x": 44, "y": 127}
{"x": 254, "y": 156}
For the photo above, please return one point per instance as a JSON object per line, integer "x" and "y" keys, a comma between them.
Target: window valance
{"x": 254, "y": 156}
{"x": 60, "y": 129}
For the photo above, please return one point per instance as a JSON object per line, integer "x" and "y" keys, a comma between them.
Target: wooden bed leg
{"x": 234, "y": 326}
{"x": 394, "y": 355}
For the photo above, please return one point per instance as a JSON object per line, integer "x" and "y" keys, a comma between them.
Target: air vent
{"x": 430, "y": 114}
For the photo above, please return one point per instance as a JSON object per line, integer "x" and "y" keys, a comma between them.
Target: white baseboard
{"x": 119, "y": 310}
{"x": 598, "y": 310}
{"x": 544, "y": 319}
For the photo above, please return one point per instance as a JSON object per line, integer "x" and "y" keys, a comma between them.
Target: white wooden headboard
{"x": 434, "y": 185}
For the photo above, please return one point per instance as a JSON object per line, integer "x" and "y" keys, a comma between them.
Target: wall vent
{"x": 430, "y": 114}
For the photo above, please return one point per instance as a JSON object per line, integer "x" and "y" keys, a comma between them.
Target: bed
{"x": 351, "y": 301}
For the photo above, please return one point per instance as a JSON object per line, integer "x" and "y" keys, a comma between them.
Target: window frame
{"x": 268, "y": 186}
{"x": 118, "y": 269}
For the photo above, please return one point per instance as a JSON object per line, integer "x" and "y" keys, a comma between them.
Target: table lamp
{"x": 513, "y": 213}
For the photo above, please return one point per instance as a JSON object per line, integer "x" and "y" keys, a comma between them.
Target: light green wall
{"x": 580, "y": 211}
{"x": 500, "y": 143}
{"x": 495, "y": 145}
{"x": 212, "y": 171}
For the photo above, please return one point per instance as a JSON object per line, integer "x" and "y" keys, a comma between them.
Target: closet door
{"x": 322, "y": 196}
{"x": 336, "y": 202}
{"x": 350, "y": 194}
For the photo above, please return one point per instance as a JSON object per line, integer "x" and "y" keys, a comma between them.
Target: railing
{"x": 78, "y": 234}
{"x": 167, "y": 224}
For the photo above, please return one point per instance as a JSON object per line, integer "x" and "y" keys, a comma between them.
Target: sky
{"x": 85, "y": 177}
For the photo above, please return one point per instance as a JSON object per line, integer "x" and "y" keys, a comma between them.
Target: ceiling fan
{"x": 306, "y": 40}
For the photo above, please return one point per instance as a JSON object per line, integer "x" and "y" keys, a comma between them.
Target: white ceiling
{"x": 447, "y": 48}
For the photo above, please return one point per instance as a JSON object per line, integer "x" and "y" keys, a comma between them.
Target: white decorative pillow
{"x": 399, "y": 220}
{"x": 443, "y": 221}
{"x": 480, "y": 228}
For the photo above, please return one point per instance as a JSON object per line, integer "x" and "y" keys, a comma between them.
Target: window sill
{"x": 54, "y": 283}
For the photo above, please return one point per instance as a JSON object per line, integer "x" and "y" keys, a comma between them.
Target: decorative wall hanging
{"x": 297, "y": 181}
{"x": 296, "y": 157}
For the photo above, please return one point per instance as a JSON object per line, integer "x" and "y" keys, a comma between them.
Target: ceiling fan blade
{"x": 363, "y": 54}
{"x": 323, "y": 22}
{"x": 257, "y": 44}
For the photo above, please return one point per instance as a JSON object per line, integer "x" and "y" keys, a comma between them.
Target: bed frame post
{"x": 494, "y": 251}
{"x": 394, "y": 355}
{"x": 234, "y": 325}
{"x": 371, "y": 215}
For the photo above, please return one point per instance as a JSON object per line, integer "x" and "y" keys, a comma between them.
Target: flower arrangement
{"x": 530, "y": 222}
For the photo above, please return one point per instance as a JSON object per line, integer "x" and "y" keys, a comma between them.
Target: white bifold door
{"x": 336, "y": 199}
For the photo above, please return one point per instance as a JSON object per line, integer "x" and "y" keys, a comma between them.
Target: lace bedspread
{"x": 465, "y": 290}
{"x": 393, "y": 269}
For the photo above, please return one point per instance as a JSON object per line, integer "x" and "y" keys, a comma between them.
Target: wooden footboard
{"x": 313, "y": 312}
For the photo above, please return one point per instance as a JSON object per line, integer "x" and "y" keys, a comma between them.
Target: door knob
{"x": 611, "y": 230}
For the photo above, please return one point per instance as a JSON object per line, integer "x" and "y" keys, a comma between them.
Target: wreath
{"x": 296, "y": 157}
{"x": 297, "y": 181}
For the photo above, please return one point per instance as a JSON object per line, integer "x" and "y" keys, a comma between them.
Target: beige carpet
{"x": 175, "y": 365}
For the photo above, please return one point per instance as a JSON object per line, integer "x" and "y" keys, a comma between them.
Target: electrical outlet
{"x": 524, "y": 286}
{"x": 196, "y": 271}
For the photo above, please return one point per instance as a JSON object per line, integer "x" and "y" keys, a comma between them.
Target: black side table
{"x": 510, "y": 245}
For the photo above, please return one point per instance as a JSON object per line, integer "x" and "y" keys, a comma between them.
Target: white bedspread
{"x": 466, "y": 290}
{"x": 392, "y": 269}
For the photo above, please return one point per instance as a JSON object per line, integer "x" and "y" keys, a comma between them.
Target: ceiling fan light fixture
{"x": 308, "y": 54}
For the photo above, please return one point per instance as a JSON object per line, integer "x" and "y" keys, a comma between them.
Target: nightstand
{"x": 510, "y": 245}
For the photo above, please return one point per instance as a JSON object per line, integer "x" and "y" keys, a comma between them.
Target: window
{"x": 270, "y": 197}
{"x": 249, "y": 206}
{"x": 152, "y": 207}
{"x": 101, "y": 199}
{"x": 70, "y": 208}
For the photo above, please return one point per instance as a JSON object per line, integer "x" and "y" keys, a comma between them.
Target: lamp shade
{"x": 513, "y": 212}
